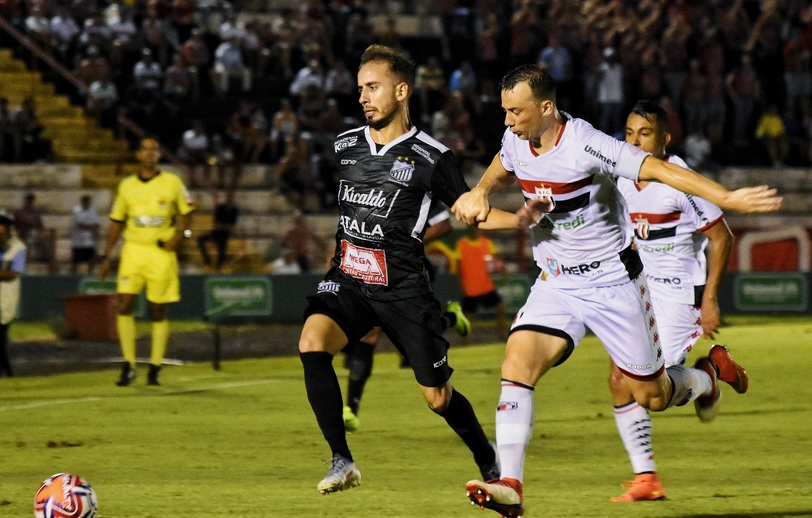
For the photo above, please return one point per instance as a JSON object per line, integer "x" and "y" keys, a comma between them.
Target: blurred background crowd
{"x": 274, "y": 81}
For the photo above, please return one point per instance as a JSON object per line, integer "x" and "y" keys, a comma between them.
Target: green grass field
{"x": 242, "y": 442}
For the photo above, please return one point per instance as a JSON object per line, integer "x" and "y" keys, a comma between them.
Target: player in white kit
{"x": 590, "y": 275}
{"x": 672, "y": 231}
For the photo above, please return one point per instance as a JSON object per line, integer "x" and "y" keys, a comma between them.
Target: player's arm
{"x": 114, "y": 231}
{"x": 184, "y": 221}
{"x": 473, "y": 206}
{"x": 437, "y": 230}
{"x": 745, "y": 200}
{"x": 721, "y": 244}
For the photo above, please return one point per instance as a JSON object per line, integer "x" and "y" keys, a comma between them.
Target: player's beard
{"x": 385, "y": 120}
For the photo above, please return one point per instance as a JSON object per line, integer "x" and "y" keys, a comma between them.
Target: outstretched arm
{"x": 745, "y": 200}
{"x": 473, "y": 206}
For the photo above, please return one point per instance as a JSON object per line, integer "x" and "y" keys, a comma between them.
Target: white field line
{"x": 189, "y": 390}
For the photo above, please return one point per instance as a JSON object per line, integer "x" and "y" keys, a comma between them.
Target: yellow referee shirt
{"x": 148, "y": 208}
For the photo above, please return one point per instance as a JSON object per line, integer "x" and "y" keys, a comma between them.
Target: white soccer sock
{"x": 634, "y": 424}
{"x": 689, "y": 384}
{"x": 514, "y": 427}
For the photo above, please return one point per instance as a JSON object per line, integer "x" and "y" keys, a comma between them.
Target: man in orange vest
{"x": 476, "y": 260}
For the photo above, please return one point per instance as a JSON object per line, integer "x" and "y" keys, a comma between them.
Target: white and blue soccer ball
{"x": 65, "y": 495}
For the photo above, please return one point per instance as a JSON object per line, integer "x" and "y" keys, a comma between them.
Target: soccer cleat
{"x": 152, "y": 377}
{"x": 342, "y": 475}
{"x": 128, "y": 374}
{"x": 493, "y": 470}
{"x": 728, "y": 370}
{"x": 351, "y": 421}
{"x": 461, "y": 323}
{"x": 707, "y": 407}
{"x": 645, "y": 486}
{"x": 502, "y": 495}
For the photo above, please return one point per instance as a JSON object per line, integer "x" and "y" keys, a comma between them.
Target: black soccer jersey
{"x": 384, "y": 198}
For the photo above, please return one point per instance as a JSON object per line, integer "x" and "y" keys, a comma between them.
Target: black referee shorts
{"x": 412, "y": 324}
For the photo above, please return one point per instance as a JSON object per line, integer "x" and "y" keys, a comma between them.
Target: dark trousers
{"x": 220, "y": 238}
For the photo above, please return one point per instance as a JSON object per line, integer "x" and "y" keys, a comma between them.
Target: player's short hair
{"x": 652, "y": 112}
{"x": 402, "y": 67}
{"x": 538, "y": 77}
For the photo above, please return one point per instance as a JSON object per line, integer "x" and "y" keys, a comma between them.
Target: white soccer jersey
{"x": 579, "y": 241}
{"x": 668, "y": 225}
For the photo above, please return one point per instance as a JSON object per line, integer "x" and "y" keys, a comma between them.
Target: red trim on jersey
{"x": 557, "y": 187}
{"x": 560, "y": 132}
{"x": 647, "y": 377}
{"x": 712, "y": 223}
{"x": 655, "y": 219}
{"x": 557, "y": 140}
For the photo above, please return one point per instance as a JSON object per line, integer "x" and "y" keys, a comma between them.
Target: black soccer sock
{"x": 360, "y": 364}
{"x": 461, "y": 418}
{"x": 324, "y": 395}
{"x": 448, "y": 320}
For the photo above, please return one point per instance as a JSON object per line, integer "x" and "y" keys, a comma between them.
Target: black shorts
{"x": 82, "y": 255}
{"x": 413, "y": 325}
{"x": 488, "y": 300}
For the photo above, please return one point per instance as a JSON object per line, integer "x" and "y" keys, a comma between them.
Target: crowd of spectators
{"x": 287, "y": 75}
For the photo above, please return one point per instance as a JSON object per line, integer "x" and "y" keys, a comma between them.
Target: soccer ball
{"x": 65, "y": 495}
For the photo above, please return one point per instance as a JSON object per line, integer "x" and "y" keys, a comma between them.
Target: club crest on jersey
{"x": 402, "y": 170}
{"x": 545, "y": 194}
{"x": 641, "y": 227}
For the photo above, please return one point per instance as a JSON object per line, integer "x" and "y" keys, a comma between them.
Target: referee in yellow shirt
{"x": 152, "y": 209}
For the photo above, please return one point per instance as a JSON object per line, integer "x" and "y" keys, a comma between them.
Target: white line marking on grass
{"x": 90, "y": 399}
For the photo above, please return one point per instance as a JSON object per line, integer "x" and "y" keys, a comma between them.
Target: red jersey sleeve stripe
{"x": 712, "y": 223}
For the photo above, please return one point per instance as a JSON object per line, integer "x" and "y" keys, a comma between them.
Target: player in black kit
{"x": 389, "y": 173}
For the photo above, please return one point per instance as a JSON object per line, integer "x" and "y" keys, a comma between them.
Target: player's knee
{"x": 616, "y": 381}
{"x": 437, "y": 399}
{"x": 651, "y": 398}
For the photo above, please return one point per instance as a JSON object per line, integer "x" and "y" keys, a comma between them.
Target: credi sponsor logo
{"x": 562, "y": 225}
{"x": 656, "y": 249}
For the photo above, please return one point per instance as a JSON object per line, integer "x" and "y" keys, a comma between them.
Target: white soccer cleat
{"x": 342, "y": 475}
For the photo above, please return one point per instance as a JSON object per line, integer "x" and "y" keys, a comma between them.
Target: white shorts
{"x": 679, "y": 327}
{"x": 621, "y": 316}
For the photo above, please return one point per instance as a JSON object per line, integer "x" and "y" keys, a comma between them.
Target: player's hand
{"x": 472, "y": 207}
{"x": 750, "y": 200}
{"x": 710, "y": 318}
{"x": 533, "y": 210}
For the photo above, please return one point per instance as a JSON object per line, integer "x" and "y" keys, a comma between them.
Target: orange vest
{"x": 475, "y": 279}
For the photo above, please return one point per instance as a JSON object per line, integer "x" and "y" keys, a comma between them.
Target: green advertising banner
{"x": 771, "y": 292}
{"x": 235, "y": 296}
{"x": 514, "y": 291}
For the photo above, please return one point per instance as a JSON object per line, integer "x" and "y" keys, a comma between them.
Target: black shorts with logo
{"x": 412, "y": 324}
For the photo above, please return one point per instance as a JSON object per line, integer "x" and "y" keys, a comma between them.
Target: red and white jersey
{"x": 668, "y": 231}
{"x": 579, "y": 241}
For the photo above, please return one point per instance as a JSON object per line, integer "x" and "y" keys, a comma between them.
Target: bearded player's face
{"x": 377, "y": 89}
